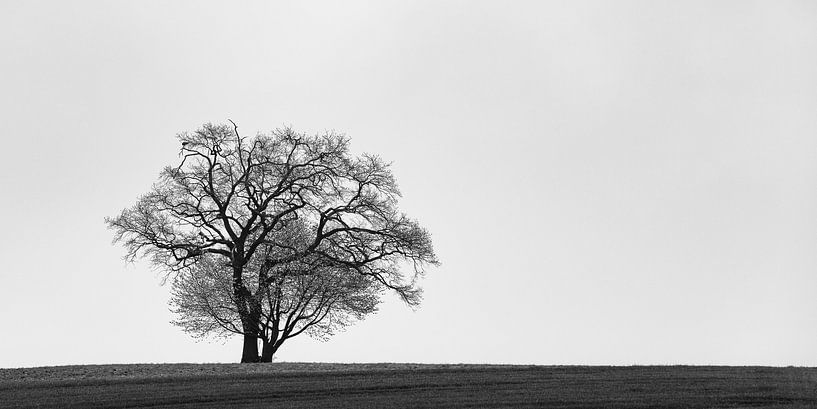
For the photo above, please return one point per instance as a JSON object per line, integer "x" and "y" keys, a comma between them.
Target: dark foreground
{"x": 292, "y": 385}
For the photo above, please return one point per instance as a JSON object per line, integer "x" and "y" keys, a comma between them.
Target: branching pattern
{"x": 255, "y": 206}
{"x": 301, "y": 298}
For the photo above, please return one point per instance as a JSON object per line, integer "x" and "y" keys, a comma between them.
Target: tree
{"x": 242, "y": 200}
{"x": 303, "y": 297}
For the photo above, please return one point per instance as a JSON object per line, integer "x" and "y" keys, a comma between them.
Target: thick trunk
{"x": 249, "y": 312}
{"x": 267, "y": 351}
{"x": 251, "y": 335}
{"x": 250, "y": 352}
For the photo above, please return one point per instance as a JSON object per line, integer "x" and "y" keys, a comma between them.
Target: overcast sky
{"x": 630, "y": 182}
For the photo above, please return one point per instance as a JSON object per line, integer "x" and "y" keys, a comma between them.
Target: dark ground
{"x": 292, "y": 385}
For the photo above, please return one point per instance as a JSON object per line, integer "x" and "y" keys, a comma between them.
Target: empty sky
{"x": 630, "y": 182}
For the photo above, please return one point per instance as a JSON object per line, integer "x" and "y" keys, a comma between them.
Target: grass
{"x": 297, "y": 385}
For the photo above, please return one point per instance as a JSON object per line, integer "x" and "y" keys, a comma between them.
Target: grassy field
{"x": 294, "y": 385}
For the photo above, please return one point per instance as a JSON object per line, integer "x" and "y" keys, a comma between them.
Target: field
{"x": 294, "y": 385}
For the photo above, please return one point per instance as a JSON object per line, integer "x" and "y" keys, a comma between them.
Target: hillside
{"x": 300, "y": 385}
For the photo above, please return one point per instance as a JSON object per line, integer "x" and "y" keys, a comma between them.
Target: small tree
{"x": 231, "y": 197}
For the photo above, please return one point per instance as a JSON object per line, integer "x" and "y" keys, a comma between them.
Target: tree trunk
{"x": 251, "y": 335}
{"x": 250, "y": 352}
{"x": 249, "y": 315}
{"x": 267, "y": 351}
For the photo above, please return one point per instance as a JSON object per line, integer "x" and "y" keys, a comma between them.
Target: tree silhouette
{"x": 243, "y": 201}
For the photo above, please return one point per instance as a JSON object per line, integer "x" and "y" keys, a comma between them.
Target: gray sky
{"x": 629, "y": 182}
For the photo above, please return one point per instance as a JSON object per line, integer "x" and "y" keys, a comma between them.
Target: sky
{"x": 606, "y": 183}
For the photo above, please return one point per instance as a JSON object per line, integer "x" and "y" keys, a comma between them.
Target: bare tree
{"x": 232, "y": 197}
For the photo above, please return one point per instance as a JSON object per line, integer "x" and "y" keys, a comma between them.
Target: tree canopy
{"x": 254, "y": 207}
